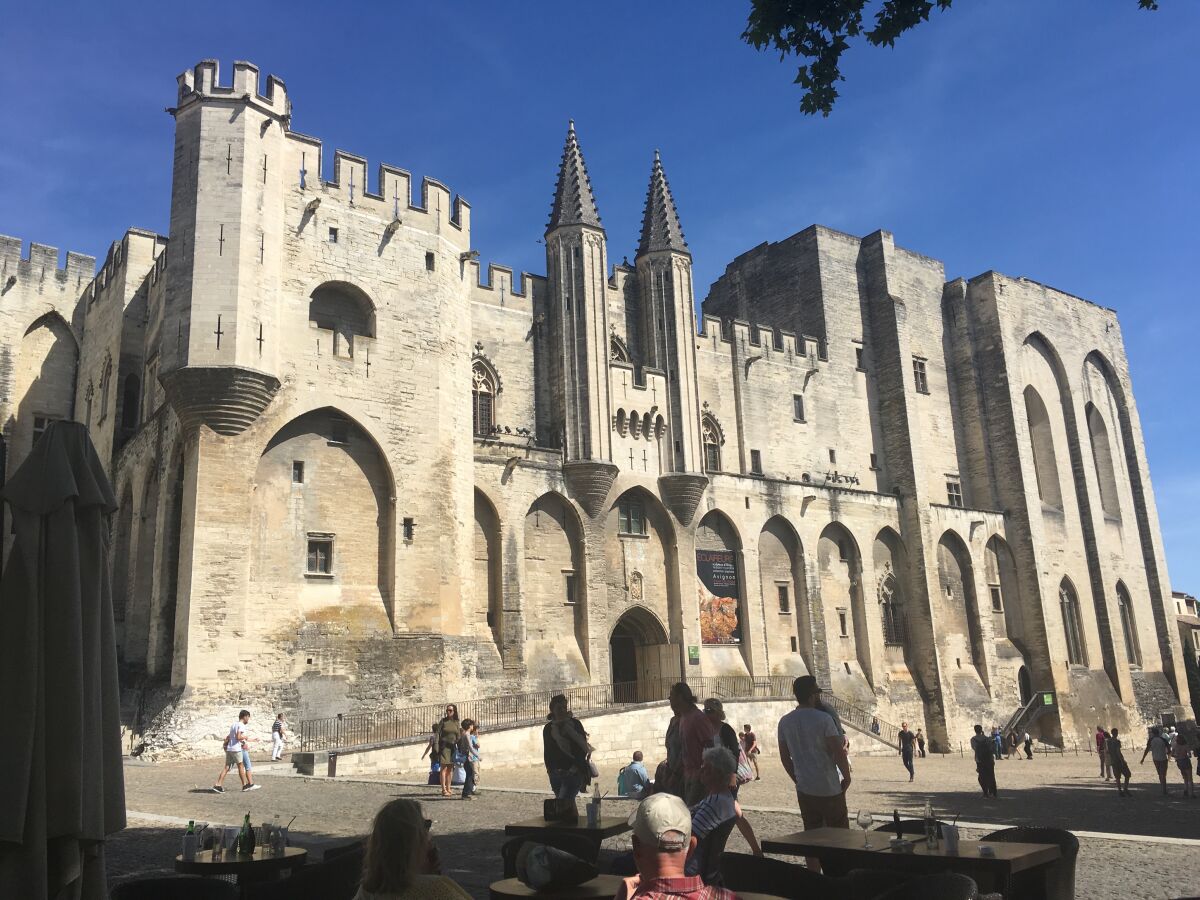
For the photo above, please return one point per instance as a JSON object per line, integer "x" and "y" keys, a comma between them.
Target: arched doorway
{"x": 640, "y": 657}
{"x": 1024, "y": 685}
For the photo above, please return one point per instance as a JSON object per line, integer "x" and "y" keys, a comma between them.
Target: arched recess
{"x": 956, "y": 609}
{"x": 637, "y": 646}
{"x": 1045, "y": 461}
{"x": 839, "y": 565}
{"x": 130, "y": 404}
{"x": 137, "y": 608}
{"x": 555, "y": 592}
{"x": 485, "y": 388}
{"x": 1163, "y": 620}
{"x": 121, "y": 582}
{"x": 1103, "y": 461}
{"x": 42, "y": 382}
{"x": 489, "y": 569}
{"x": 1133, "y": 647}
{"x": 712, "y": 437}
{"x": 785, "y": 596}
{"x": 617, "y": 351}
{"x": 1004, "y": 593}
{"x": 161, "y": 654}
{"x": 642, "y": 570}
{"x": 323, "y": 523}
{"x": 1072, "y": 623}
{"x": 720, "y": 586}
{"x": 345, "y": 310}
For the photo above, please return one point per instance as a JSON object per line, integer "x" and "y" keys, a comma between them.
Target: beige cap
{"x": 663, "y": 820}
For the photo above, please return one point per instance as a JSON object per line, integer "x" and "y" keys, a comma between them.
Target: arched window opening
{"x": 617, "y": 351}
{"x": 891, "y": 611}
{"x": 483, "y": 400}
{"x": 105, "y": 383}
{"x": 1133, "y": 649}
{"x": 635, "y": 424}
{"x": 1068, "y": 601}
{"x": 647, "y": 427}
{"x": 622, "y": 422}
{"x": 1102, "y": 457}
{"x": 712, "y": 445}
{"x": 345, "y": 311}
{"x": 1045, "y": 463}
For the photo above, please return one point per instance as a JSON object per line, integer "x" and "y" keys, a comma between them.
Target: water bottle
{"x": 189, "y": 842}
{"x": 931, "y": 829}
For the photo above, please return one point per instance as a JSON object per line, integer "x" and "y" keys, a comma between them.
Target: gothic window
{"x": 1133, "y": 650}
{"x": 631, "y": 518}
{"x": 483, "y": 400}
{"x": 622, "y": 422}
{"x": 889, "y": 608}
{"x": 105, "y": 382}
{"x": 711, "y": 437}
{"x": 1068, "y": 601}
{"x": 1041, "y": 438}
{"x": 616, "y": 351}
{"x": 1102, "y": 457}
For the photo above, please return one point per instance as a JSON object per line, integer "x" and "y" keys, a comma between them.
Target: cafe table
{"x": 600, "y": 886}
{"x": 258, "y": 866}
{"x": 608, "y": 826}
{"x": 844, "y": 848}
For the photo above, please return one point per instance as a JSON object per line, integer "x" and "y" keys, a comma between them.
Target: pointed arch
{"x": 890, "y": 561}
{"x": 617, "y": 350}
{"x": 485, "y": 386}
{"x": 781, "y": 566}
{"x": 1102, "y": 461}
{"x": 1133, "y": 647}
{"x": 489, "y": 605}
{"x": 959, "y": 607}
{"x": 1004, "y": 594}
{"x": 555, "y": 597}
{"x": 839, "y": 567}
{"x": 1041, "y": 437}
{"x": 712, "y": 438}
{"x": 1072, "y": 621}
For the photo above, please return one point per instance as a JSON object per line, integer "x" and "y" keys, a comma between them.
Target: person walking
{"x": 1159, "y": 750}
{"x": 984, "y": 749}
{"x": 997, "y": 743}
{"x": 565, "y": 750}
{"x": 1102, "y": 752}
{"x": 476, "y": 758}
{"x": 431, "y": 750}
{"x": 1180, "y": 753}
{"x": 463, "y": 752}
{"x": 750, "y": 748}
{"x": 695, "y": 735}
{"x": 1028, "y": 746}
{"x": 907, "y": 739}
{"x": 1116, "y": 759}
{"x": 236, "y": 755}
{"x": 449, "y": 730}
{"x": 920, "y": 744}
{"x": 813, "y": 753}
{"x": 278, "y": 737}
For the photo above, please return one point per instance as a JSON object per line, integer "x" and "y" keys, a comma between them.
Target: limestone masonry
{"x": 356, "y": 472}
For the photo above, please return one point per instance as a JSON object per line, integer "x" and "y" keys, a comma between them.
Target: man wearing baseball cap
{"x": 662, "y": 840}
{"x": 814, "y": 754}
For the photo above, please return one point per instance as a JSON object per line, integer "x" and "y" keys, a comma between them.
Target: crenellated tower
{"x": 218, "y": 357}
{"x": 668, "y": 324}
{"x": 577, "y": 324}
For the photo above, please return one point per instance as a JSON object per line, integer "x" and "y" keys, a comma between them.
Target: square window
{"x": 798, "y": 407}
{"x": 297, "y": 472}
{"x": 430, "y": 262}
{"x": 997, "y": 598}
{"x": 843, "y": 625}
{"x": 40, "y": 424}
{"x": 410, "y": 528}
{"x": 874, "y": 462}
{"x": 631, "y": 519}
{"x": 320, "y": 555}
{"x": 333, "y": 235}
{"x": 756, "y": 462}
{"x": 954, "y": 493}
{"x": 858, "y": 359}
{"x": 920, "y": 379}
{"x": 784, "y": 600}
{"x": 569, "y": 587}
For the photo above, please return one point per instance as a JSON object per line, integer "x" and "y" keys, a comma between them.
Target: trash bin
{"x": 332, "y": 771}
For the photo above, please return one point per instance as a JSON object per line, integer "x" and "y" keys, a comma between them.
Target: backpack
{"x": 622, "y": 784}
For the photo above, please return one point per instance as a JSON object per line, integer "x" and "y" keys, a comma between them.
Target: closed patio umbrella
{"x": 61, "y": 785}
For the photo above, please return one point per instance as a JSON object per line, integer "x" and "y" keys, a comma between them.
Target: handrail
{"x": 1025, "y": 716}
{"x": 414, "y": 723}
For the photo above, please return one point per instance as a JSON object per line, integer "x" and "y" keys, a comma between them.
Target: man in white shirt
{"x": 813, "y": 752}
{"x": 1158, "y": 748}
{"x": 235, "y": 745}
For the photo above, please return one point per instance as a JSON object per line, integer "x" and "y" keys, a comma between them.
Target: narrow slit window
{"x": 756, "y": 462}
{"x": 333, "y": 235}
{"x": 920, "y": 377}
{"x": 297, "y": 472}
{"x": 798, "y": 407}
{"x": 784, "y": 599}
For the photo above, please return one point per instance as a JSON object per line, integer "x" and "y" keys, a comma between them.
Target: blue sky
{"x": 1053, "y": 140}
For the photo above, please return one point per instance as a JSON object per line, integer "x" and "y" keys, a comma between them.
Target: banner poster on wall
{"x": 717, "y": 590}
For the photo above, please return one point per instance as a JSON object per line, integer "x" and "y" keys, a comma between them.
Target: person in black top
{"x": 920, "y": 744}
{"x": 463, "y": 746}
{"x": 985, "y": 761}
{"x": 726, "y": 736}
{"x": 565, "y": 751}
{"x": 907, "y": 740}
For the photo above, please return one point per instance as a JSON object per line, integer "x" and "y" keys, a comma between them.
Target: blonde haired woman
{"x": 400, "y": 863}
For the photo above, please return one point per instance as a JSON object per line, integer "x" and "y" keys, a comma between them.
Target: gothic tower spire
{"x": 660, "y": 221}
{"x": 574, "y": 203}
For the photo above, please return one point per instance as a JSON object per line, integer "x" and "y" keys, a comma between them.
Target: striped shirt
{"x": 713, "y": 810}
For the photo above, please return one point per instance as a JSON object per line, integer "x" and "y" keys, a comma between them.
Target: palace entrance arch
{"x": 643, "y": 662}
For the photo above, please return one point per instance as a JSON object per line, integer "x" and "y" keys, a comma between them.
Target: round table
{"x": 601, "y": 886}
{"x": 256, "y": 867}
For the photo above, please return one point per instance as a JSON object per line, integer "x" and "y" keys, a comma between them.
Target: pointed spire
{"x": 574, "y": 203}
{"x": 660, "y": 222}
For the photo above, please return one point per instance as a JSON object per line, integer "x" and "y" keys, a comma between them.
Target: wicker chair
{"x": 1053, "y": 882}
{"x": 942, "y": 886}
{"x": 177, "y": 887}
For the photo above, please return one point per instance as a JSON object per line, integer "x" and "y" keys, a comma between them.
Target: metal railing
{"x": 415, "y": 723}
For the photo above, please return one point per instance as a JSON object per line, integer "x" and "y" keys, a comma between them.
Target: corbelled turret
{"x": 574, "y": 203}
{"x": 660, "y": 222}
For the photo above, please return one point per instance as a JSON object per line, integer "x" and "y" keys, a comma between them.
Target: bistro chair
{"x": 743, "y": 872}
{"x": 942, "y": 886}
{"x": 709, "y": 852}
{"x": 1053, "y": 882}
{"x": 334, "y": 852}
{"x": 576, "y": 844}
{"x": 330, "y": 879}
{"x": 177, "y": 887}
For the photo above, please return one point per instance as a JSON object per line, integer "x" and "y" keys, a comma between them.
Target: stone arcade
{"x": 352, "y": 474}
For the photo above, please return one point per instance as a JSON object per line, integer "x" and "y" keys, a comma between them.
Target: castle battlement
{"x": 501, "y": 281}
{"x": 775, "y": 341}
{"x": 203, "y": 81}
{"x": 117, "y": 259}
{"x": 41, "y": 261}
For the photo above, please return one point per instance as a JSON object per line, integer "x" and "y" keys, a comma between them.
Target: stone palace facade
{"x": 357, "y": 471}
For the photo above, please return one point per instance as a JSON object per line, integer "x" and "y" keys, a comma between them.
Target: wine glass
{"x": 865, "y": 821}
